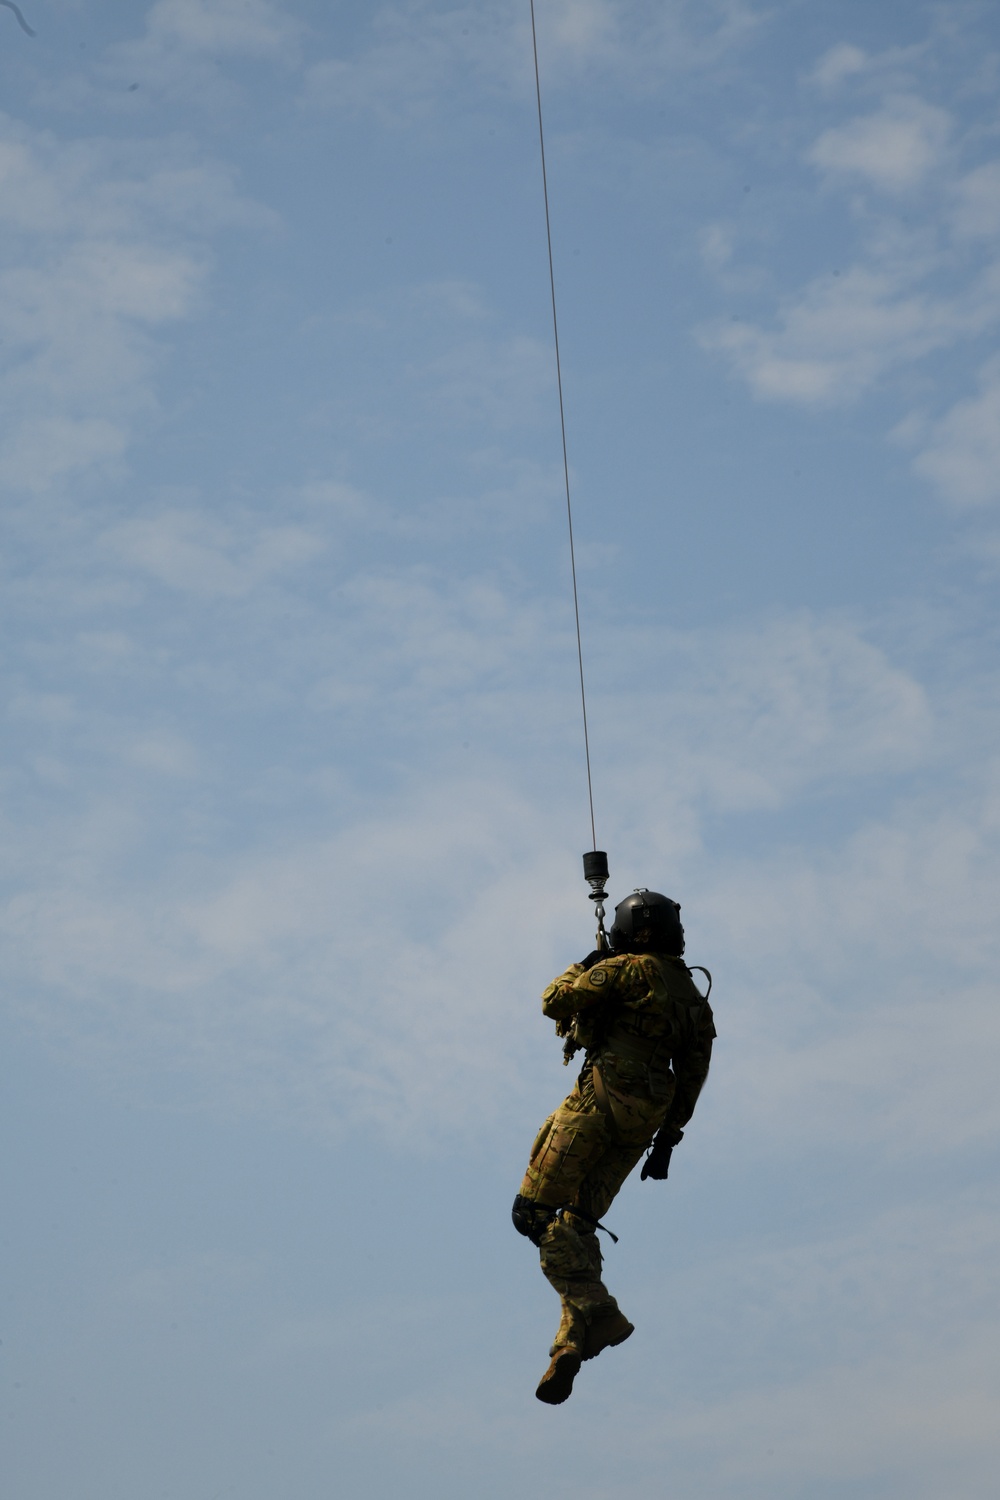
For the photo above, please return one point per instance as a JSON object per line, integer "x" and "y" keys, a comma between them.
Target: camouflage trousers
{"x": 579, "y": 1159}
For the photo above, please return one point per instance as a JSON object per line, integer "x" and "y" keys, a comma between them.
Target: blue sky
{"x": 294, "y": 797}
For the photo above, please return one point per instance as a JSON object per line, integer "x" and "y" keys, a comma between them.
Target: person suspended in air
{"x": 647, "y": 1031}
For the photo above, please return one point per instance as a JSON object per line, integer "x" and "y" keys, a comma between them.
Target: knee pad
{"x": 530, "y": 1218}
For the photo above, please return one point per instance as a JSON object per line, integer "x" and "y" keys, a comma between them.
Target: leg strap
{"x": 587, "y": 1219}
{"x": 531, "y": 1218}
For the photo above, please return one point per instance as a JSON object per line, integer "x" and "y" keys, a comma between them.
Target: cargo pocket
{"x": 540, "y": 1139}
{"x": 572, "y": 1142}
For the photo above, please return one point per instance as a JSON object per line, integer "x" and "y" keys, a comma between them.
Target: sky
{"x": 294, "y": 794}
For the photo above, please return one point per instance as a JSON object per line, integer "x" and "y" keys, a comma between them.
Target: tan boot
{"x": 557, "y": 1382}
{"x": 605, "y": 1330}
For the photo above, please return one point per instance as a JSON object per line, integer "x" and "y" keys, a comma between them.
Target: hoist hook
{"x": 595, "y": 873}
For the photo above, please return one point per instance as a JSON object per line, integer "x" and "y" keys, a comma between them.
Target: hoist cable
{"x": 562, "y": 425}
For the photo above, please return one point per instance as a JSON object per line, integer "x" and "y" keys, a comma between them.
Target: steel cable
{"x": 562, "y": 425}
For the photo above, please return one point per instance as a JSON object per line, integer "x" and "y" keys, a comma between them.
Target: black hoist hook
{"x": 595, "y": 873}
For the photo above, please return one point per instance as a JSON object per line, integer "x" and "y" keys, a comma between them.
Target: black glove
{"x": 657, "y": 1163}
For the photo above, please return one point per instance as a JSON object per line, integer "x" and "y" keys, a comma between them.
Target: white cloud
{"x": 164, "y": 753}
{"x": 638, "y": 45}
{"x": 803, "y": 700}
{"x": 961, "y": 452}
{"x": 976, "y": 208}
{"x": 74, "y": 324}
{"x": 94, "y": 189}
{"x": 842, "y": 334}
{"x": 234, "y": 968}
{"x": 422, "y": 54}
{"x": 216, "y": 979}
{"x": 253, "y": 28}
{"x": 240, "y": 975}
{"x": 503, "y": 383}
{"x": 893, "y": 149}
{"x": 104, "y": 247}
{"x": 186, "y": 42}
{"x": 190, "y": 551}
{"x": 47, "y": 708}
{"x": 416, "y": 55}
{"x": 840, "y": 62}
{"x": 717, "y": 245}
{"x": 44, "y": 451}
{"x": 847, "y": 987}
{"x": 806, "y": 1357}
{"x": 924, "y": 1417}
{"x": 910, "y": 275}
{"x": 189, "y": 52}
{"x": 895, "y": 70}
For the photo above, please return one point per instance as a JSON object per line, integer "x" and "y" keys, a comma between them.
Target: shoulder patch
{"x": 598, "y": 976}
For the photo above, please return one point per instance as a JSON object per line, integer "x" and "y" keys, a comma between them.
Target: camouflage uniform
{"x": 648, "y": 1033}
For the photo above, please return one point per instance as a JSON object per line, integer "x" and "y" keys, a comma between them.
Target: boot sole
{"x": 554, "y": 1388}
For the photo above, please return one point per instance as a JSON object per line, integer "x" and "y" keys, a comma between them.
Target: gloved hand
{"x": 657, "y": 1163}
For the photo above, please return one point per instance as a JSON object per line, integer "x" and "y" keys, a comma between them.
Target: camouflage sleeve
{"x": 691, "y": 1068}
{"x": 558, "y": 1000}
{"x": 581, "y": 989}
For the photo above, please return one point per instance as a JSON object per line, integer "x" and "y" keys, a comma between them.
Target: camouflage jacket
{"x": 642, "y": 1018}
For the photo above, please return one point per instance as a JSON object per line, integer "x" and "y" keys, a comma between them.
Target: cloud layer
{"x": 293, "y": 782}
{"x": 914, "y": 272}
{"x": 105, "y": 247}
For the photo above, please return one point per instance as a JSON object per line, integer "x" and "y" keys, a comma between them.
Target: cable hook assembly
{"x": 595, "y": 873}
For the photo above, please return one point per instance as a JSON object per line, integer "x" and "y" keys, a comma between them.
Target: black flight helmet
{"x": 647, "y": 922}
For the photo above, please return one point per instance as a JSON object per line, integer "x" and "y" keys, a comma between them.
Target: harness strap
{"x": 700, "y": 969}
{"x": 581, "y": 1213}
{"x": 603, "y": 1102}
